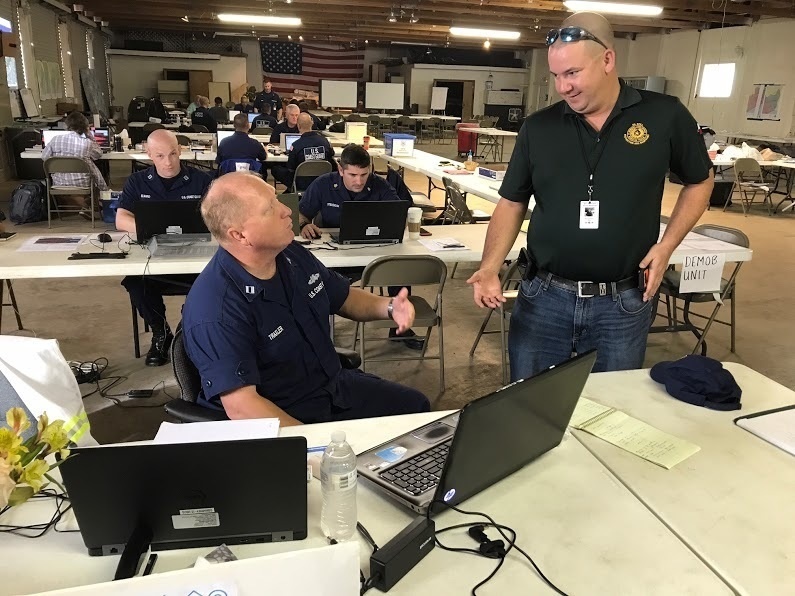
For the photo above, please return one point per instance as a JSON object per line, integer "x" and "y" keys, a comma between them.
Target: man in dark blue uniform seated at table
{"x": 256, "y": 321}
{"x": 240, "y": 145}
{"x": 352, "y": 181}
{"x": 167, "y": 180}
{"x": 202, "y": 116}
{"x": 311, "y": 146}
{"x": 290, "y": 123}
{"x": 317, "y": 123}
{"x": 245, "y": 106}
{"x": 264, "y": 119}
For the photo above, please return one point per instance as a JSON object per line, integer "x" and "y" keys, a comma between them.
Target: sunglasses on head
{"x": 572, "y": 34}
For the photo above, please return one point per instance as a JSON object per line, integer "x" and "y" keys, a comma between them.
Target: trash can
{"x": 467, "y": 141}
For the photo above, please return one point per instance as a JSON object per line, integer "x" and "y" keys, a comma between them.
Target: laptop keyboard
{"x": 421, "y": 472}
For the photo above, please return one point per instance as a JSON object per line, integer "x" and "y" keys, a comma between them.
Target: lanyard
{"x": 592, "y": 169}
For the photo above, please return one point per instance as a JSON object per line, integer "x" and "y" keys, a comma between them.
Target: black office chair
{"x": 185, "y": 408}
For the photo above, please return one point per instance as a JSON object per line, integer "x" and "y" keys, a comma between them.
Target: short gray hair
{"x": 222, "y": 207}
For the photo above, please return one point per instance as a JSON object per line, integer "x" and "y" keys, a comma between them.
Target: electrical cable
{"x": 366, "y": 584}
{"x": 38, "y": 530}
{"x": 502, "y": 529}
{"x": 91, "y": 372}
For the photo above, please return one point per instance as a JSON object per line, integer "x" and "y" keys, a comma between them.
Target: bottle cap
{"x": 338, "y": 436}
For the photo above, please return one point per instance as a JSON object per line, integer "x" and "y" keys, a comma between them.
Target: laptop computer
{"x": 287, "y": 140}
{"x": 223, "y": 134}
{"x": 167, "y": 217}
{"x": 188, "y": 495}
{"x": 48, "y": 135}
{"x": 372, "y": 222}
{"x": 460, "y": 455}
{"x": 252, "y": 117}
{"x": 102, "y": 137}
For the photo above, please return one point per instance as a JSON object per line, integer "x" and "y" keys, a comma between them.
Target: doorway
{"x": 460, "y": 97}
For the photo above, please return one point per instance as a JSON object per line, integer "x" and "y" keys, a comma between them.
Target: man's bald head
{"x": 304, "y": 123}
{"x": 595, "y": 24}
{"x": 229, "y": 201}
{"x": 161, "y": 139}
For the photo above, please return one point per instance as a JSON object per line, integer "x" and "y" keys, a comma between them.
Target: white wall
{"x": 423, "y": 75}
{"x": 250, "y": 47}
{"x": 138, "y": 75}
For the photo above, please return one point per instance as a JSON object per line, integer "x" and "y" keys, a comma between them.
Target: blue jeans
{"x": 550, "y": 323}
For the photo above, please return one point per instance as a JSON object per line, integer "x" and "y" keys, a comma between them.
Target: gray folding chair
{"x": 183, "y": 141}
{"x": 405, "y": 124}
{"x": 510, "y": 281}
{"x": 414, "y": 271}
{"x": 308, "y": 171}
{"x": 750, "y": 183}
{"x": 199, "y": 128}
{"x": 448, "y": 131}
{"x": 68, "y": 165}
{"x": 669, "y": 289}
{"x": 150, "y": 127}
{"x": 13, "y": 303}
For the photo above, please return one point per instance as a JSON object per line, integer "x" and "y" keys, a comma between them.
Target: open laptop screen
{"x": 289, "y": 140}
{"x": 252, "y": 117}
{"x": 48, "y": 135}
{"x": 223, "y": 134}
{"x": 102, "y": 137}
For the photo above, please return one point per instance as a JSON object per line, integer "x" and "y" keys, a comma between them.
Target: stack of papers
{"x": 221, "y": 430}
{"x": 442, "y": 244}
{"x": 630, "y": 434}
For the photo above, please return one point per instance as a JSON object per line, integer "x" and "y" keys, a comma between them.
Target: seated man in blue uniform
{"x": 202, "y": 116}
{"x": 290, "y": 123}
{"x": 311, "y": 146}
{"x": 317, "y": 123}
{"x": 240, "y": 145}
{"x": 166, "y": 180}
{"x": 256, "y": 322}
{"x": 352, "y": 181}
{"x": 245, "y": 106}
{"x": 264, "y": 119}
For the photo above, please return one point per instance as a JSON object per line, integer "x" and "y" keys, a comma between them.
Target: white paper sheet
{"x": 438, "y": 244}
{"x": 222, "y": 430}
{"x": 65, "y": 243}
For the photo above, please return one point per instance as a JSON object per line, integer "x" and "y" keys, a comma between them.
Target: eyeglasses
{"x": 572, "y": 34}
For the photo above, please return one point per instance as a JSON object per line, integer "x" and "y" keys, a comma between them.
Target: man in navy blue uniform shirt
{"x": 317, "y": 123}
{"x": 256, "y": 321}
{"x": 240, "y": 145}
{"x": 264, "y": 119}
{"x": 352, "y": 181}
{"x": 311, "y": 146}
{"x": 290, "y": 123}
{"x": 245, "y": 106}
{"x": 202, "y": 116}
{"x": 269, "y": 96}
{"x": 167, "y": 180}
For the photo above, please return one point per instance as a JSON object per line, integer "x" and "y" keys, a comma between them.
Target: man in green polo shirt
{"x": 596, "y": 163}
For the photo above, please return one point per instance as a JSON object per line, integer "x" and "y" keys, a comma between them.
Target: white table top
{"x": 170, "y": 126}
{"x": 28, "y": 265}
{"x": 133, "y": 155}
{"x": 723, "y": 162}
{"x": 732, "y": 502}
{"x": 338, "y": 139}
{"x": 493, "y": 132}
{"x": 750, "y": 137}
{"x": 412, "y": 116}
{"x": 587, "y": 533}
{"x": 320, "y": 113}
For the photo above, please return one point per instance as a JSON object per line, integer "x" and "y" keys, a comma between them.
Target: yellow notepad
{"x": 631, "y": 434}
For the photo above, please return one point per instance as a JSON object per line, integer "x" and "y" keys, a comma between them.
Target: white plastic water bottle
{"x": 338, "y": 485}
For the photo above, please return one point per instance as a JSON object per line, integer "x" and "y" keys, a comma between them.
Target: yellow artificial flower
{"x": 41, "y": 425}
{"x": 55, "y": 436}
{"x": 33, "y": 474}
{"x": 17, "y": 420}
{"x": 7, "y": 483}
{"x": 11, "y": 448}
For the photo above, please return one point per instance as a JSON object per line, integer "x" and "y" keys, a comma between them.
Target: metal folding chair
{"x": 750, "y": 182}
{"x": 68, "y": 165}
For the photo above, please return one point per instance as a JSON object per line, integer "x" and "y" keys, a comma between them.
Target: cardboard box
{"x": 399, "y": 144}
{"x": 494, "y": 172}
{"x": 66, "y": 108}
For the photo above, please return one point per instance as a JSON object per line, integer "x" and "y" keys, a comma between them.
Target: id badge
{"x": 589, "y": 215}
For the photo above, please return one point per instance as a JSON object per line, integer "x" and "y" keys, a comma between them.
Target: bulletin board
{"x": 95, "y": 91}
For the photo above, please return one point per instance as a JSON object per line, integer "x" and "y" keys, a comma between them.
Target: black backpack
{"x": 29, "y": 203}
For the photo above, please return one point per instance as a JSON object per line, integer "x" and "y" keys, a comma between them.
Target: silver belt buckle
{"x": 579, "y": 290}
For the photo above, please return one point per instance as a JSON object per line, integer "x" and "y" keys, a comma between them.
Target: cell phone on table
{"x": 424, "y": 232}
{"x": 643, "y": 277}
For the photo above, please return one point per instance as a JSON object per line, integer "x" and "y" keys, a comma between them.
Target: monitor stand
{"x": 133, "y": 553}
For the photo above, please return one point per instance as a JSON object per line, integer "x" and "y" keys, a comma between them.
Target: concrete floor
{"x": 91, "y": 319}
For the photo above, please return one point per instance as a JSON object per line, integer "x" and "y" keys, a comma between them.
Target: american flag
{"x": 293, "y": 66}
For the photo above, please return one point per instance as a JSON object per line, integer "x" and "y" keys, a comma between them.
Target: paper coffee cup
{"x": 414, "y": 219}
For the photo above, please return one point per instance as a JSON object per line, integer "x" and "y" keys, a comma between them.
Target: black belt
{"x": 584, "y": 289}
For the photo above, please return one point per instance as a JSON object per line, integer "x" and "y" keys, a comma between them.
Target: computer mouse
{"x": 103, "y": 238}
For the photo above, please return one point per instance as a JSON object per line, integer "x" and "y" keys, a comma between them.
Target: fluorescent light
{"x": 259, "y": 19}
{"x": 484, "y": 33}
{"x": 642, "y": 10}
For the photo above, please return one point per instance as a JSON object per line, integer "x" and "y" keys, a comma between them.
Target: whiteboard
{"x": 438, "y": 98}
{"x": 31, "y": 109}
{"x": 383, "y": 96}
{"x": 338, "y": 94}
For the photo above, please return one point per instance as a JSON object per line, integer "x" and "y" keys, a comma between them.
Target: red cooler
{"x": 467, "y": 141}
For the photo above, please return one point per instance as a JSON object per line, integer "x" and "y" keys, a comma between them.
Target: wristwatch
{"x": 389, "y": 308}
{"x": 304, "y": 224}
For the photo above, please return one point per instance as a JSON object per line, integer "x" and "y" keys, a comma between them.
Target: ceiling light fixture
{"x": 413, "y": 19}
{"x": 640, "y": 10}
{"x": 301, "y": 38}
{"x": 392, "y": 18}
{"x": 185, "y": 18}
{"x": 484, "y": 33}
{"x": 487, "y": 44}
{"x": 259, "y": 19}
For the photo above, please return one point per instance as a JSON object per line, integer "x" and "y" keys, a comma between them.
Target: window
{"x": 64, "y": 47}
{"x": 717, "y": 80}
{"x": 11, "y": 73}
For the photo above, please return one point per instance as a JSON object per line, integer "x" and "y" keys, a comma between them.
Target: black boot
{"x": 161, "y": 342}
{"x": 409, "y": 339}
